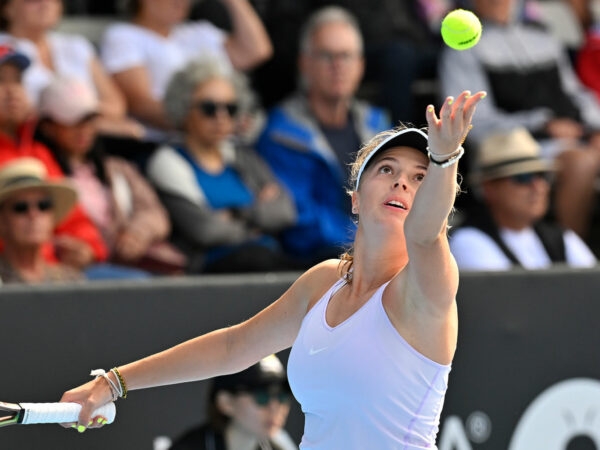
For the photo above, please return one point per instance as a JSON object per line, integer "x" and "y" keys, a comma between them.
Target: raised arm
{"x": 249, "y": 44}
{"x": 432, "y": 269}
{"x": 427, "y": 315}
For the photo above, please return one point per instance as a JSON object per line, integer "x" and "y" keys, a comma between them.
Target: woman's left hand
{"x": 449, "y": 131}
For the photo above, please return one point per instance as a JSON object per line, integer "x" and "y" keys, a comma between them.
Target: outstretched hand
{"x": 450, "y": 130}
{"x": 90, "y": 396}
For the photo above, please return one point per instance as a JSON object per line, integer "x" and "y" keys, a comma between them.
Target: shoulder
{"x": 578, "y": 254}
{"x": 290, "y": 123}
{"x": 123, "y": 30}
{"x": 70, "y": 41}
{"x": 317, "y": 280}
{"x": 474, "y": 249}
{"x": 166, "y": 154}
{"x": 197, "y": 28}
{"x": 166, "y": 163}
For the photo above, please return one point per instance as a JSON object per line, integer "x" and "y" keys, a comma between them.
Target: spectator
{"x": 246, "y": 410}
{"x": 401, "y": 47}
{"x": 531, "y": 83}
{"x": 114, "y": 194}
{"x": 144, "y": 54}
{"x": 311, "y": 137}
{"x": 28, "y": 27}
{"x": 30, "y": 208}
{"x": 77, "y": 241}
{"x": 225, "y": 204}
{"x": 510, "y": 228}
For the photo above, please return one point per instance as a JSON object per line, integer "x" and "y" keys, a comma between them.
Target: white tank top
{"x": 361, "y": 385}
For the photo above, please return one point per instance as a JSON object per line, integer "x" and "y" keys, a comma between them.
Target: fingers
{"x": 455, "y": 112}
{"x": 96, "y": 422}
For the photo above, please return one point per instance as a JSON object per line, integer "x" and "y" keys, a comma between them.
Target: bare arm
{"x": 135, "y": 84}
{"x": 220, "y": 352}
{"x": 249, "y": 44}
{"x": 112, "y": 102}
{"x": 426, "y": 314}
{"x": 432, "y": 269}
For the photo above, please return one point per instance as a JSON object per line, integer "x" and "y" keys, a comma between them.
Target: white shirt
{"x": 475, "y": 250}
{"x": 126, "y": 45}
{"x": 361, "y": 385}
{"x": 71, "y": 57}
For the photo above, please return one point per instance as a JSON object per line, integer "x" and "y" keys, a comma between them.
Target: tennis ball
{"x": 461, "y": 29}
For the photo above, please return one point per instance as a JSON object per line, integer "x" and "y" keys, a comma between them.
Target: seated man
{"x": 30, "y": 208}
{"x": 311, "y": 137}
{"x": 508, "y": 230}
{"x": 531, "y": 84}
{"x": 77, "y": 241}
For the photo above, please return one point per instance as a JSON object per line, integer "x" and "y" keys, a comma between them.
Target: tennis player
{"x": 373, "y": 334}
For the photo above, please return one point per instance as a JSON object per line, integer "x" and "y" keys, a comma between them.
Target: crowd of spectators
{"x": 215, "y": 136}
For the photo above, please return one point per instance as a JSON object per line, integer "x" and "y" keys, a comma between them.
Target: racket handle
{"x": 62, "y": 412}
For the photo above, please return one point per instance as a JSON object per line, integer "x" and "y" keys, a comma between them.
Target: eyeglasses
{"x": 23, "y": 207}
{"x": 326, "y": 57}
{"x": 527, "y": 178}
{"x": 263, "y": 397}
{"x": 210, "y": 108}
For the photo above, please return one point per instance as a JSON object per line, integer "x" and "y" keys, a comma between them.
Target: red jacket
{"x": 587, "y": 63}
{"x": 76, "y": 224}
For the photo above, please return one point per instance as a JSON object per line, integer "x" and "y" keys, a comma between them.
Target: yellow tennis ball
{"x": 461, "y": 29}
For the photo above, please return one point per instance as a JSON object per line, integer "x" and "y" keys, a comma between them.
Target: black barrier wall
{"x": 525, "y": 376}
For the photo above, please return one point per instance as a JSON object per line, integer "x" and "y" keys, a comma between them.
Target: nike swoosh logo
{"x": 314, "y": 351}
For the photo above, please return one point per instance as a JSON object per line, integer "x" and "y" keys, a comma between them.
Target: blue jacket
{"x": 300, "y": 156}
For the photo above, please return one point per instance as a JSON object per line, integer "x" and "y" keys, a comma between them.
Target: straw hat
{"x": 26, "y": 173}
{"x": 506, "y": 154}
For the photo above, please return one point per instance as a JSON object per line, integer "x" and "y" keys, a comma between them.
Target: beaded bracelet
{"x": 452, "y": 159}
{"x": 121, "y": 381}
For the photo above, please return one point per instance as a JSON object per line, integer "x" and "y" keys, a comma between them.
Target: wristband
{"x": 452, "y": 159}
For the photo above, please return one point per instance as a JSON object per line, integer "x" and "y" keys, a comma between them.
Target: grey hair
{"x": 324, "y": 16}
{"x": 177, "y": 101}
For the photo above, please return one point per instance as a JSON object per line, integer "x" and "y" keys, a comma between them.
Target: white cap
{"x": 68, "y": 101}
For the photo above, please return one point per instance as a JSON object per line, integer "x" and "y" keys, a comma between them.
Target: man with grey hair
{"x": 311, "y": 136}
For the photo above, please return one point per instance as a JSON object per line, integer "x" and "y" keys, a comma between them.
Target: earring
{"x": 354, "y": 211}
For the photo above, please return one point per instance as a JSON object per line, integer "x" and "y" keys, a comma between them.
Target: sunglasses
{"x": 528, "y": 178}
{"x": 263, "y": 397}
{"x": 23, "y": 207}
{"x": 210, "y": 108}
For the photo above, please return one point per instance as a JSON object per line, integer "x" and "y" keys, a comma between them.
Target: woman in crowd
{"x": 225, "y": 204}
{"x": 114, "y": 194}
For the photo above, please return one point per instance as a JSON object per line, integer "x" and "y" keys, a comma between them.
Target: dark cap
{"x": 267, "y": 372}
{"x": 10, "y": 55}
{"x": 406, "y": 137}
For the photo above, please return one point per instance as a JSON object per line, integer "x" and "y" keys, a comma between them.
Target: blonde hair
{"x": 347, "y": 258}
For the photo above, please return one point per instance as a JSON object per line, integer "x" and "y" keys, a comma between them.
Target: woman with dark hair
{"x": 246, "y": 410}
{"x": 114, "y": 194}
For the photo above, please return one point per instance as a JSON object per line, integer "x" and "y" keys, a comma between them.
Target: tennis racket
{"x": 31, "y": 413}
